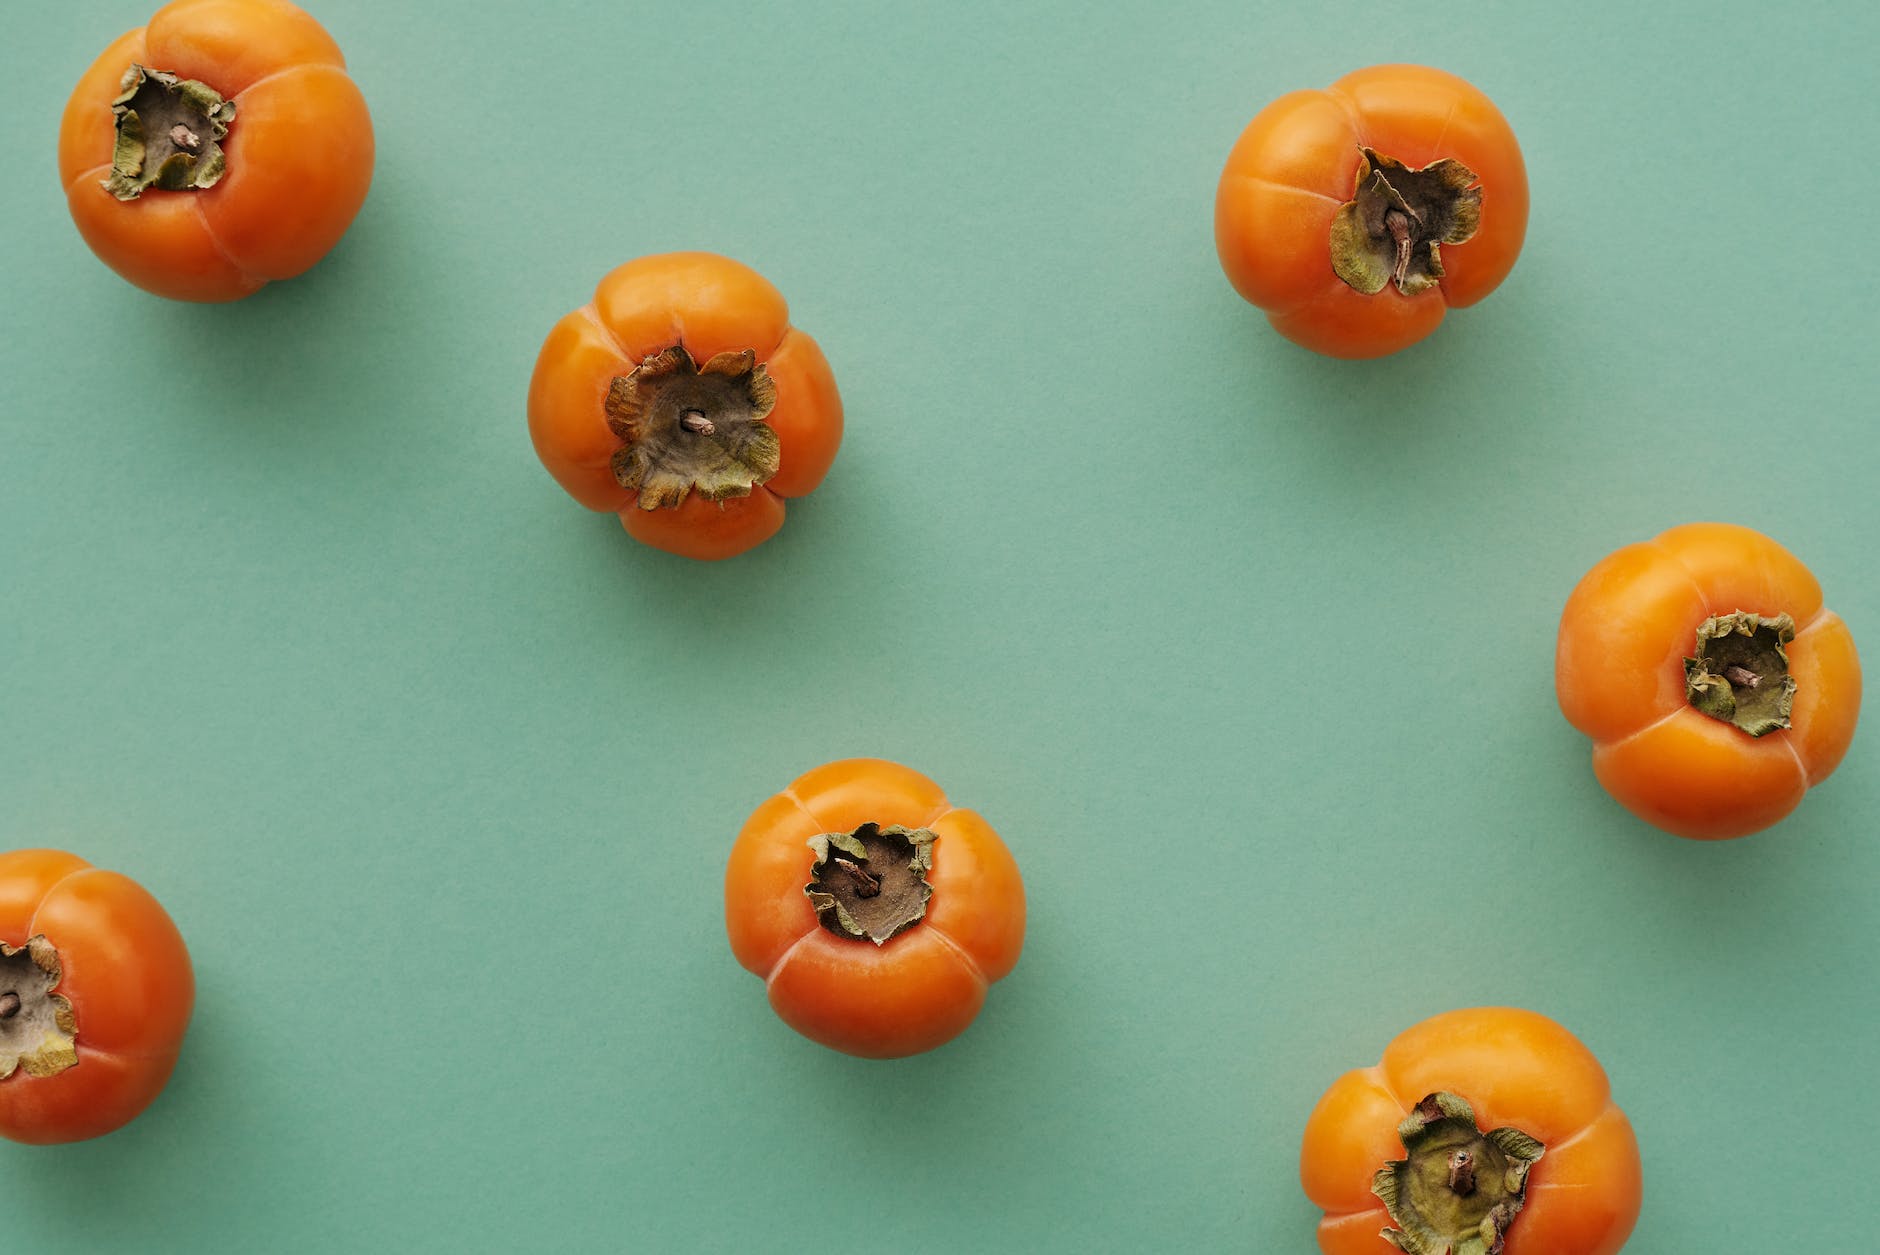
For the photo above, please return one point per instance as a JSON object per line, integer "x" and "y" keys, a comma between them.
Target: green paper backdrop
{"x": 1247, "y": 653}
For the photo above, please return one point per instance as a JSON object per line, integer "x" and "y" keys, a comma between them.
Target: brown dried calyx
{"x": 1458, "y": 1189}
{"x": 37, "y": 1031}
{"x": 1741, "y": 672}
{"x": 871, "y": 883}
{"x": 689, "y": 428}
{"x": 1393, "y": 227}
{"x": 167, "y": 133}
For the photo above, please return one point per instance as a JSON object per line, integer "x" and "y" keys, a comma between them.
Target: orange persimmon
{"x": 95, "y": 995}
{"x": 1357, "y": 215}
{"x": 219, "y": 147}
{"x": 876, "y": 911}
{"x": 682, "y": 399}
{"x": 1715, "y": 686}
{"x": 1476, "y": 1124}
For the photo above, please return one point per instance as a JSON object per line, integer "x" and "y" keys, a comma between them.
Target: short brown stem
{"x": 184, "y": 138}
{"x": 1398, "y": 223}
{"x": 866, "y": 886}
{"x": 9, "y": 1005}
{"x": 1742, "y": 677}
{"x": 695, "y": 421}
{"x": 1462, "y": 1173}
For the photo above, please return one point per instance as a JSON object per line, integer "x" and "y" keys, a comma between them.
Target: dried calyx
{"x": 1741, "y": 672}
{"x": 168, "y": 133}
{"x": 689, "y": 428}
{"x": 1393, "y": 227}
{"x": 37, "y": 1031}
{"x": 871, "y": 883}
{"x": 1457, "y": 1189}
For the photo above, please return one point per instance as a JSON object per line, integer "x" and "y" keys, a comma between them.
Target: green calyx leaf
{"x": 1392, "y": 229}
{"x": 871, "y": 883}
{"x": 1458, "y": 1189}
{"x": 688, "y": 428}
{"x": 1741, "y": 672}
{"x": 168, "y": 134}
{"x": 38, "y": 1033}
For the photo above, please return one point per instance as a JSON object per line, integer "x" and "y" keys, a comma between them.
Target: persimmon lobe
{"x": 876, "y": 913}
{"x": 1356, "y": 216}
{"x": 682, "y": 400}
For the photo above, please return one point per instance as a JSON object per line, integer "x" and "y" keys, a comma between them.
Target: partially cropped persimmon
{"x": 95, "y": 994}
{"x": 1483, "y": 1132}
{"x": 1358, "y": 215}
{"x": 1716, "y": 686}
{"x": 682, "y": 399}
{"x": 217, "y": 148}
{"x": 876, "y": 911}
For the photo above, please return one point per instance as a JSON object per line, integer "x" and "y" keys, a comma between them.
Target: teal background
{"x": 1246, "y": 653}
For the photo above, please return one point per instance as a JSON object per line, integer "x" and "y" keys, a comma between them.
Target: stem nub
{"x": 1399, "y": 224}
{"x": 866, "y": 886}
{"x": 1461, "y": 1173}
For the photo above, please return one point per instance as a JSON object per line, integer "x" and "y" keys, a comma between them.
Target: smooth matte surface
{"x": 1246, "y": 653}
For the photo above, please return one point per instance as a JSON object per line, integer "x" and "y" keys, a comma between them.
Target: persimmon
{"x": 682, "y": 399}
{"x": 1480, "y": 1131}
{"x": 219, "y": 147}
{"x": 1357, "y": 215}
{"x": 876, "y": 911}
{"x": 95, "y": 995}
{"x": 1716, "y": 687}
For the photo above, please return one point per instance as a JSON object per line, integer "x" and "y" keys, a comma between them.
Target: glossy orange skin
{"x": 1619, "y": 675}
{"x": 1515, "y": 1068}
{"x": 711, "y": 305}
{"x": 125, "y": 971}
{"x": 1297, "y": 162}
{"x": 925, "y": 985}
{"x": 299, "y": 152}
